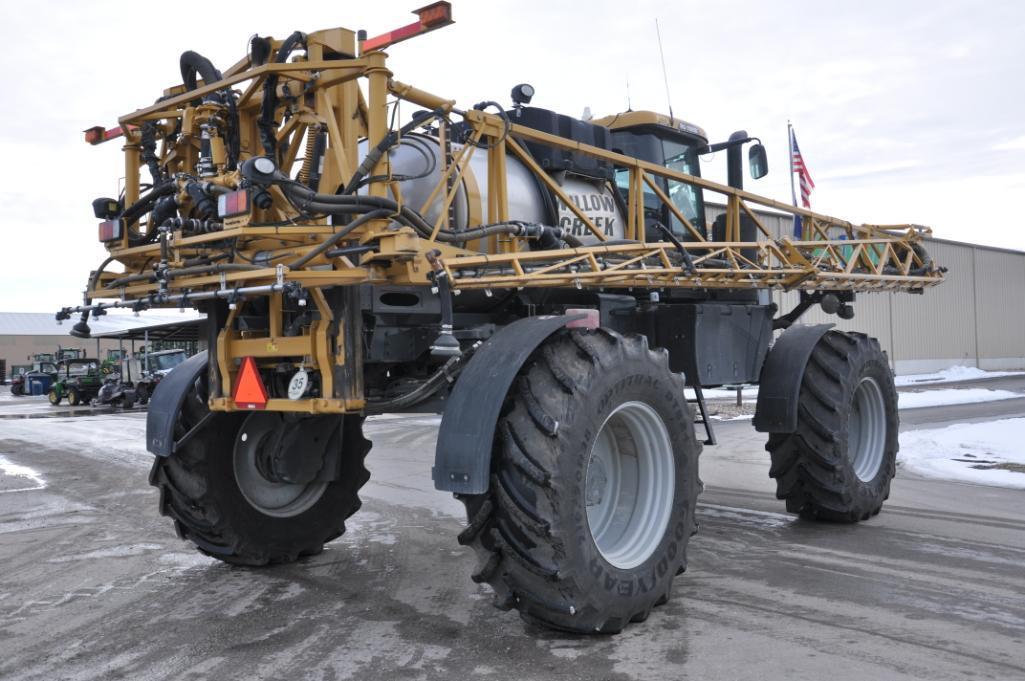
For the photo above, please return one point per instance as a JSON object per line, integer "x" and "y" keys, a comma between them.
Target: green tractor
{"x": 78, "y": 380}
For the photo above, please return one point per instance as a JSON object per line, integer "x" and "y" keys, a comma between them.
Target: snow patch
{"x": 117, "y": 438}
{"x": 745, "y": 515}
{"x": 749, "y": 393}
{"x": 33, "y": 480}
{"x": 113, "y": 552}
{"x": 990, "y": 453}
{"x": 958, "y": 373}
{"x": 187, "y": 560}
{"x": 948, "y": 396}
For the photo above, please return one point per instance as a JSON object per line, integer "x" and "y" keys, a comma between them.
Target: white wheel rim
{"x": 866, "y": 429}
{"x": 630, "y": 485}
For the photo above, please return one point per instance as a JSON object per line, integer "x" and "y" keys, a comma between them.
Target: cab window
{"x": 687, "y": 198}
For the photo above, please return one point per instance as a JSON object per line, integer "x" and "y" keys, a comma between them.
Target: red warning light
{"x": 429, "y": 18}
{"x": 249, "y": 392}
{"x": 98, "y": 134}
{"x": 233, "y": 203}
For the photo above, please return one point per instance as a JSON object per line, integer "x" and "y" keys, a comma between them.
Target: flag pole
{"x": 793, "y": 192}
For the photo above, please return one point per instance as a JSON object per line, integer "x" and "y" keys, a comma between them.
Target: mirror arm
{"x": 719, "y": 146}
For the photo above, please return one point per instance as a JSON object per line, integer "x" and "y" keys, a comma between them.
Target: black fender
{"x": 779, "y": 384}
{"x": 462, "y": 460}
{"x": 166, "y": 401}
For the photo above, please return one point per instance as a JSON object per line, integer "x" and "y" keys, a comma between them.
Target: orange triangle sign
{"x": 250, "y": 392}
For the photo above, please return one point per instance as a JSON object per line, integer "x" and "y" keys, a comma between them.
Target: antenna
{"x": 629, "y": 107}
{"x": 665, "y": 75}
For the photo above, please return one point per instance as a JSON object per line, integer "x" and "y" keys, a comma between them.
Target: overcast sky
{"x": 905, "y": 111}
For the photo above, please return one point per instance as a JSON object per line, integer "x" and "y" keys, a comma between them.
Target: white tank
{"x": 418, "y": 157}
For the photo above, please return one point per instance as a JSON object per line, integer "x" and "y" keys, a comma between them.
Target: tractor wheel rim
{"x": 630, "y": 485}
{"x": 866, "y": 429}
{"x": 276, "y": 499}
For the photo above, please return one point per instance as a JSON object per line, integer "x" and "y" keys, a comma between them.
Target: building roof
{"x": 109, "y": 325}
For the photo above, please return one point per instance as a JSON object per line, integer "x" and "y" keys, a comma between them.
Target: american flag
{"x": 797, "y": 163}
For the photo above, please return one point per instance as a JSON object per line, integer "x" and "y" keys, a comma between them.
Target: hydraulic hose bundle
{"x": 259, "y": 51}
{"x": 193, "y": 63}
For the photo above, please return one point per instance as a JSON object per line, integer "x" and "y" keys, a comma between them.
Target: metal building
{"x": 975, "y": 318}
{"x": 24, "y": 334}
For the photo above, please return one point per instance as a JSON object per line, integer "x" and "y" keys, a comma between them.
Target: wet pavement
{"x": 95, "y": 585}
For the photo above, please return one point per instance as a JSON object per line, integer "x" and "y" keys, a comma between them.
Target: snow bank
{"x": 948, "y": 396}
{"x": 958, "y": 373}
{"x": 990, "y": 453}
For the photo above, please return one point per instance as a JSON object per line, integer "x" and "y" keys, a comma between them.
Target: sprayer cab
{"x": 673, "y": 144}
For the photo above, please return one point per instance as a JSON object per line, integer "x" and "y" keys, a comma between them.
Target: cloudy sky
{"x": 906, "y": 111}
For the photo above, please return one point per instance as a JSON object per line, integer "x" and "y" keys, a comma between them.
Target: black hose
{"x": 506, "y": 124}
{"x": 192, "y": 63}
{"x": 165, "y": 209}
{"x": 430, "y": 163}
{"x": 184, "y": 272}
{"x": 337, "y": 236}
{"x": 148, "y": 143}
{"x": 381, "y": 148}
{"x": 688, "y": 263}
{"x": 142, "y": 205}
{"x": 93, "y": 281}
{"x": 259, "y": 50}
{"x": 266, "y": 124}
{"x": 572, "y": 241}
{"x": 232, "y": 133}
{"x": 446, "y": 344}
{"x": 332, "y": 204}
{"x": 157, "y": 195}
{"x": 446, "y": 374}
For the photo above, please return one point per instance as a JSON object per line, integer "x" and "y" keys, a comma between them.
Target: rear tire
{"x": 74, "y": 399}
{"x": 200, "y": 492}
{"x": 838, "y": 464}
{"x": 593, "y": 487}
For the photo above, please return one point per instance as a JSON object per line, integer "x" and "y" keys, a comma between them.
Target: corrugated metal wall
{"x": 975, "y": 318}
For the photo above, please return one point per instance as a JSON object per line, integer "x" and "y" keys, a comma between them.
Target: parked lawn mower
{"x": 115, "y": 392}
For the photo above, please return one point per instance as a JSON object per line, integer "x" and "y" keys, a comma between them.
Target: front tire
{"x": 593, "y": 487}
{"x": 200, "y": 490}
{"x": 54, "y": 397}
{"x": 74, "y": 398}
{"x": 838, "y": 464}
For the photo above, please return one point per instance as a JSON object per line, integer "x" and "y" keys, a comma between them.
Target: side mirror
{"x": 758, "y": 162}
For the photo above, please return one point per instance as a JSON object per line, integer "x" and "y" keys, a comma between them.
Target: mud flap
{"x": 462, "y": 461}
{"x": 166, "y": 401}
{"x": 780, "y": 382}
